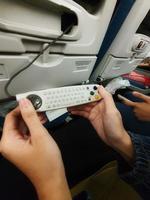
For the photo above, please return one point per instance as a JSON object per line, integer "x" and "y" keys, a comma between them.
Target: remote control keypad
{"x": 57, "y": 98}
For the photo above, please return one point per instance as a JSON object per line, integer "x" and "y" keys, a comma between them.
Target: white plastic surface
{"x": 122, "y": 45}
{"x": 10, "y": 43}
{"x": 54, "y": 114}
{"x": 141, "y": 45}
{"x": 63, "y": 97}
{"x": 121, "y": 58}
{"x": 22, "y": 17}
{"x": 113, "y": 67}
{"x": 25, "y": 28}
{"x": 58, "y": 71}
{"x": 27, "y": 19}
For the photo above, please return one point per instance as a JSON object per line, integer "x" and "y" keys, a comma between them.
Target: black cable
{"x": 41, "y": 52}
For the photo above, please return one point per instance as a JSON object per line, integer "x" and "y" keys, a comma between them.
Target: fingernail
{"x": 24, "y": 103}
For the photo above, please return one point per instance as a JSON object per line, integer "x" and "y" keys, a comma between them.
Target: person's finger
{"x": 43, "y": 121}
{"x": 30, "y": 116}
{"x": 137, "y": 115}
{"x": 80, "y": 113}
{"x": 126, "y": 101}
{"x": 42, "y": 117}
{"x": 107, "y": 98}
{"x": 22, "y": 129}
{"x": 141, "y": 96}
{"x": 11, "y": 121}
{"x": 85, "y": 107}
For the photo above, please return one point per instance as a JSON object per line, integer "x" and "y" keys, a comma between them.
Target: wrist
{"x": 124, "y": 146}
{"x": 56, "y": 188}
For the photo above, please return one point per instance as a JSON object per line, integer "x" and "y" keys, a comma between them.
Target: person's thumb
{"x": 107, "y": 97}
{"x": 141, "y": 96}
{"x": 30, "y": 116}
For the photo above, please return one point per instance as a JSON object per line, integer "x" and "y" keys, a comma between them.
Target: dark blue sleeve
{"x": 138, "y": 176}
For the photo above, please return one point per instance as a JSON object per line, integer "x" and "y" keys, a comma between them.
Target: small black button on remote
{"x": 92, "y": 93}
{"x": 35, "y": 100}
{"x": 95, "y": 88}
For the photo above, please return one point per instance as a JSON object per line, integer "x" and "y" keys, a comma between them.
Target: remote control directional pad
{"x": 35, "y": 100}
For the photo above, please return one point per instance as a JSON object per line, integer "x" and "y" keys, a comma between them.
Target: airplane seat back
{"x": 129, "y": 46}
{"x": 121, "y": 11}
{"x": 27, "y": 27}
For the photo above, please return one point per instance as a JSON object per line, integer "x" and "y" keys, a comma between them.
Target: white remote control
{"x": 62, "y": 97}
